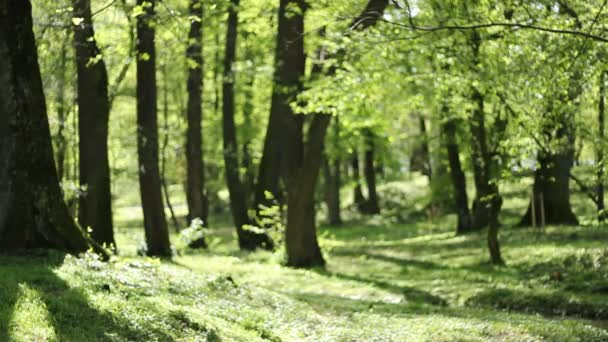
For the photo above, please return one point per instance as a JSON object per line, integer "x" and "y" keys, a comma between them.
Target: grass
{"x": 383, "y": 282}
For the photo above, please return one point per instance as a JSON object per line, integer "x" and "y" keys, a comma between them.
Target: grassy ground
{"x": 383, "y": 282}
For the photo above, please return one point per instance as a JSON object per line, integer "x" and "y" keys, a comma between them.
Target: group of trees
{"x": 494, "y": 89}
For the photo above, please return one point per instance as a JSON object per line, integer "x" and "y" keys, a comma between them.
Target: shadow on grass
{"x": 411, "y": 294}
{"x": 71, "y": 315}
{"x": 546, "y": 303}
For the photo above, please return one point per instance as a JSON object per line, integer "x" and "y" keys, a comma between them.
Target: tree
{"x": 303, "y": 150}
{"x": 457, "y": 176}
{"x": 195, "y": 185}
{"x": 248, "y": 240}
{"x": 371, "y": 205}
{"x": 95, "y": 202}
{"x": 32, "y": 211}
{"x": 155, "y": 225}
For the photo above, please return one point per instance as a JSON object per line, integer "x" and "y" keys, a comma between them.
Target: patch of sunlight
{"x": 31, "y": 320}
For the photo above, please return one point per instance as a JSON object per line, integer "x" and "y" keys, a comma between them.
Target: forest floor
{"x": 383, "y": 282}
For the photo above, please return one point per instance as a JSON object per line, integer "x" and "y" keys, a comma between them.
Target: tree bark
{"x": 487, "y": 200}
{"x": 157, "y": 235}
{"x": 358, "y": 197}
{"x": 95, "y": 201}
{"x": 421, "y": 157}
{"x": 332, "y": 177}
{"x": 32, "y": 211}
{"x": 301, "y": 233}
{"x": 371, "y": 206}
{"x": 459, "y": 182}
{"x": 601, "y": 121}
{"x": 552, "y": 182}
{"x": 302, "y": 161}
{"x": 195, "y": 183}
{"x": 248, "y": 240}
{"x": 61, "y": 140}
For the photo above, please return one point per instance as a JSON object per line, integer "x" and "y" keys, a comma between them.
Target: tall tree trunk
{"x": 195, "y": 187}
{"x": 487, "y": 200}
{"x": 32, "y": 211}
{"x": 600, "y": 148}
{"x": 163, "y": 155}
{"x": 369, "y": 170}
{"x": 302, "y": 160}
{"x": 61, "y": 113}
{"x": 157, "y": 234}
{"x": 247, "y": 159}
{"x": 95, "y": 204}
{"x": 459, "y": 182}
{"x": 358, "y": 198}
{"x": 248, "y": 240}
{"x": 301, "y": 232}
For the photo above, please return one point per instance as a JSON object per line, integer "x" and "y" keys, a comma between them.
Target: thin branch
{"x": 413, "y": 26}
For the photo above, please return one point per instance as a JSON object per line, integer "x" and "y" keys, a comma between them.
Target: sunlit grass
{"x": 383, "y": 282}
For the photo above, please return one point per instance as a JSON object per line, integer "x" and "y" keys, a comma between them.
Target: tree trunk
{"x": 157, "y": 235}
{"x": 61, "y": 140}
{"x": 95, "y": 203}
{"x": 487, "y": 199}
{"x": 248, "y": 240}
{"x": 552, "y": 182}
{"x": 248, "y": 135}
{"x": 369, "y": 170}
{"x": 421, "y": 157}
{"x": 331, "y": 174}
{"x": 600, "y": 149}
{"x": 459, "y": 182}
{"x": 301, "y": 232}
{"x": 163, "y": 154}
{"x": 358, "y": 198}
{"x": 195, "y": 183}
{"x": 302, "y": 160}
{"x": 32, "y": 211}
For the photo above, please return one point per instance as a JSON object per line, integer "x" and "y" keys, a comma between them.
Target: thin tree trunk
{"x": 32, "y": 211}
{"x": 487, "y": 200}
{"x": 95, "y": 204}
{"x": 358, "y": 198}
{"x": 195, "y": 187}
{"x": 459, "y": 182}
{"x": 163, "y": 151}
{"x": 369, "y": 170}
{"x": 248, "y": 240}
{"x": 157, "y": 234}
{"x": 331, "y": 175}
{"x": 600, "y": 149}
{"x": 421, "y": 156}
{"x": 61, "y": 113}
{"x": 247, "y": 159}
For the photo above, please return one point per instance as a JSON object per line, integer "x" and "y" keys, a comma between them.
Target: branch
{"x": 584, "y": 189}
{"x": 413, "y": 26}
